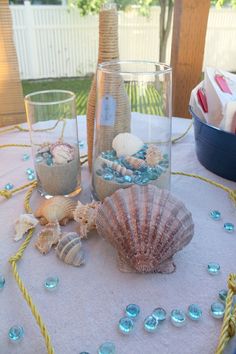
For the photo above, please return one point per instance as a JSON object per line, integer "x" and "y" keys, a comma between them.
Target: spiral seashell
{"x": 119, "y": 168}
{"x": 146, "y": 225}
{"x": 153, "y": 156}
{"x": 126, "y": 144}
{"x": 24, "y": 223}
{"x": 135, "y": 162}
{"x": 69, "y": 249}
{"x": 85, "y": 215}
{"x": 48, "y": 237}
{"x": 62, "y": 152}
{"x": 57, "y": 208}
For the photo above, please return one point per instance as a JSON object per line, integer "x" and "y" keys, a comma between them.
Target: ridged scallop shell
{"x": 146, "y": 225}
{"x": 126, "y": 144}
{"x": 62, "y": 152}
{"x": 57, "y": 208}
{"x": 119, "y": 168}
{"x": 153, "y": 156}
{"x": 85, "y": 215}
{"x": 48, "y": 237}
{"x": 135, "y": 162}
{"x": 24, "y": 223}
{"x": 69, "y": 249}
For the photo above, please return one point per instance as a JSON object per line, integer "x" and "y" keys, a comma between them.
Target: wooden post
{"x": 188, "y": 42}
{"x": 12, "y": 109}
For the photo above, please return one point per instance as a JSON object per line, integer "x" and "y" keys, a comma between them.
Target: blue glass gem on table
{"x": 229, "y": 227}
{"x": 29, "y": 171}
{"x": 9, "y": 186}
{"x": 213, "y": 268}
{"x": 126, "y": 325}
{"x": 178, "y": 318}
{"x": 215, "y": 215}
{"x": 25, "y": 157}
{"x": 217, "y": 310}
{"x": 150, "y": 324}
{"x": 16, "y": 333}
{"x": 107, "y": 348}
{"x": 51, "y": 283}
{"x": 31, "y": 177}
{"x": 160, "y": 314}
{"x": 223, "y": 295}
{"x": 194, "y": 312}
{"x": 132, "y": 310}
{"x": 2, "y": 282}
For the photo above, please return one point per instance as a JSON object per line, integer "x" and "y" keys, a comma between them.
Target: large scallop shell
{"x": 146, "y": 225}
{"x": 69, "y": 249}
{"x": 57, "y": 208}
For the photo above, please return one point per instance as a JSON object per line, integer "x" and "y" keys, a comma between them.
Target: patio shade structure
{"x": 12, "y": 109}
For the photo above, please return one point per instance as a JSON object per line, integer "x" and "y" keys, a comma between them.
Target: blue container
{"x": 215, "y": 148}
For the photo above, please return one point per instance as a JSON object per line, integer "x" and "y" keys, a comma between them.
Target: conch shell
{"x": 69, "y": 249}
{"x": 85, "y": 215}
{"x": 135, "y": 163}
{"x": 119, "y": 168}
{"x": 146, "y": 225}
{"x": 153, "y": 156}
{"x": 57, "y": 208}
{"x": 24, "y": 223}
{"x": 126, "y": 144}
{"x": 48, "y": 237}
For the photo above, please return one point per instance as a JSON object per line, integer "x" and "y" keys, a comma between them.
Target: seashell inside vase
{"x": 55, "y": 209}
{"x": 69, "y": 249}
{"x": 126, "y": 144}
{"x": 147, "y": 226}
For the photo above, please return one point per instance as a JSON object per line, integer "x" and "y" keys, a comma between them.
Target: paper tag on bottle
{"x": 222, "y": 83}
{"x": 108, "y": 110}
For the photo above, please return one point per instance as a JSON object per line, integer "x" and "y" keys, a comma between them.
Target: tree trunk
{"x": 165, "y": 26}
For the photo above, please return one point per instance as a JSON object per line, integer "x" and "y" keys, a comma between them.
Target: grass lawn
{"x": 80, "y": 86}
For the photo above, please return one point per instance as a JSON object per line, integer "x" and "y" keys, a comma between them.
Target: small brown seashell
{"x": 153, "y": 156}
{"x": 119, "y": 168}
{"x": 85, "y": 215}
{"x": 147, "y": 226}
{"x": 62, "y": 152}
{"x": 69, "y": 249}
{"x": 48, "y": 237}
{"x": 135, "y": 162}
{"x": 57, "y": 208}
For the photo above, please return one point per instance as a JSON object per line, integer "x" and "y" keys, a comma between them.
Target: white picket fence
{"x": 54, "y": 41}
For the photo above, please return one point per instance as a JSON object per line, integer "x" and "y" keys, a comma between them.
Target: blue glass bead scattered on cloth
{"x": 217, "y": 310}
{"x": 9, "y": 186}
{"x": 107, "y": 348}
{"x": 213, "y": 268}
{"x": 126, "y": 325}
{"x": 150, "y": 324}
{"x": 2, "y": 282}
{"x": 159, "y": 313}
{"x": 31, "y": 177}
{"x": 16, "y": 333}
{"x": 223, "y": 295}
{"x": 51, "y": 283}
{"x": 29, "y": 171}
{"x": 132, "y": 310}
{"x": 229, "y": 227}
{"x": 25, "y": 157}
{"x": 194, "y": 312}
{"x": 178, "y": 318}
{"x": 108, "y": 176}
{"x": 215, "y": 215}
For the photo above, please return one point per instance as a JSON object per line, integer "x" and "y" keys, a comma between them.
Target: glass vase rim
{"x": 66, "y": 100}
{"x": 102, "y": 67}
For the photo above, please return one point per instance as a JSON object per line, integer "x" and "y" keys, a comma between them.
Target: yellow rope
{"x": 175, "y": 140}
{"x": 21, "y": 129}
{"x": 9, "y": 194}
{"x": 229, "y": 324}
{"x": 231, "y": 192}
{"x": 14, "y": 145}
{"x": 13, "y": 261}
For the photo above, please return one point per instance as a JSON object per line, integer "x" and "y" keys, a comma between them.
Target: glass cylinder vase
{"x": 132, "y": 142}
{"x": 53, "y": 130}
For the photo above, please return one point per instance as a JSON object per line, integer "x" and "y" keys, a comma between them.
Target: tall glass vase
{"x": 136, "y": 152}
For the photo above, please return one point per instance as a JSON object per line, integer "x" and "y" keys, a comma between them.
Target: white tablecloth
{"x": 85, "y": 309}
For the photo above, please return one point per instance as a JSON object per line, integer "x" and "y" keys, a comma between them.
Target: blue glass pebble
{"x": 215, "y": 215}
{"x": 2, "y": 282}
{"x": 152, "y": 174}
{"x": 213, "y": 268}
{"x": 31, "y": 177}
{"x": 108, "y": 176}
{"x": 229, "y": 227}
{"x": 99, "y": 172}
{"x": 120, "y": 180}
{"x": 178, "y": 318}
{"x": 223, "y": 295}
{"x": 46, "y": 155}
{"x": 137, "y": 179}
{"x": 217, "y": 310}
{"x": 81, "y": 143}
{"x": 39, "y": 159}
{"x": 51, "y": 283}
{"x": 145, "y": 180}
{"x": 49, "y": 161}
{"x": 84, "y": 353}
{"x": 9, "y": 186}
{"x": 29, "y": 171}
{"x": 150, "y": 324}
{"x": 159, "y": 313}
{"x": 16, "y": 333}
{"x": 25, "y": 157}
{"x": 126, "y": 325}
{"x": 132, "y": 310}
{"x": 127, "y": 179}
{"x": 107, "y": 348}
{"x": 194, "y": 312}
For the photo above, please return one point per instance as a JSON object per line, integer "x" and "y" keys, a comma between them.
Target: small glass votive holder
{"x": 52, "y": 122}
